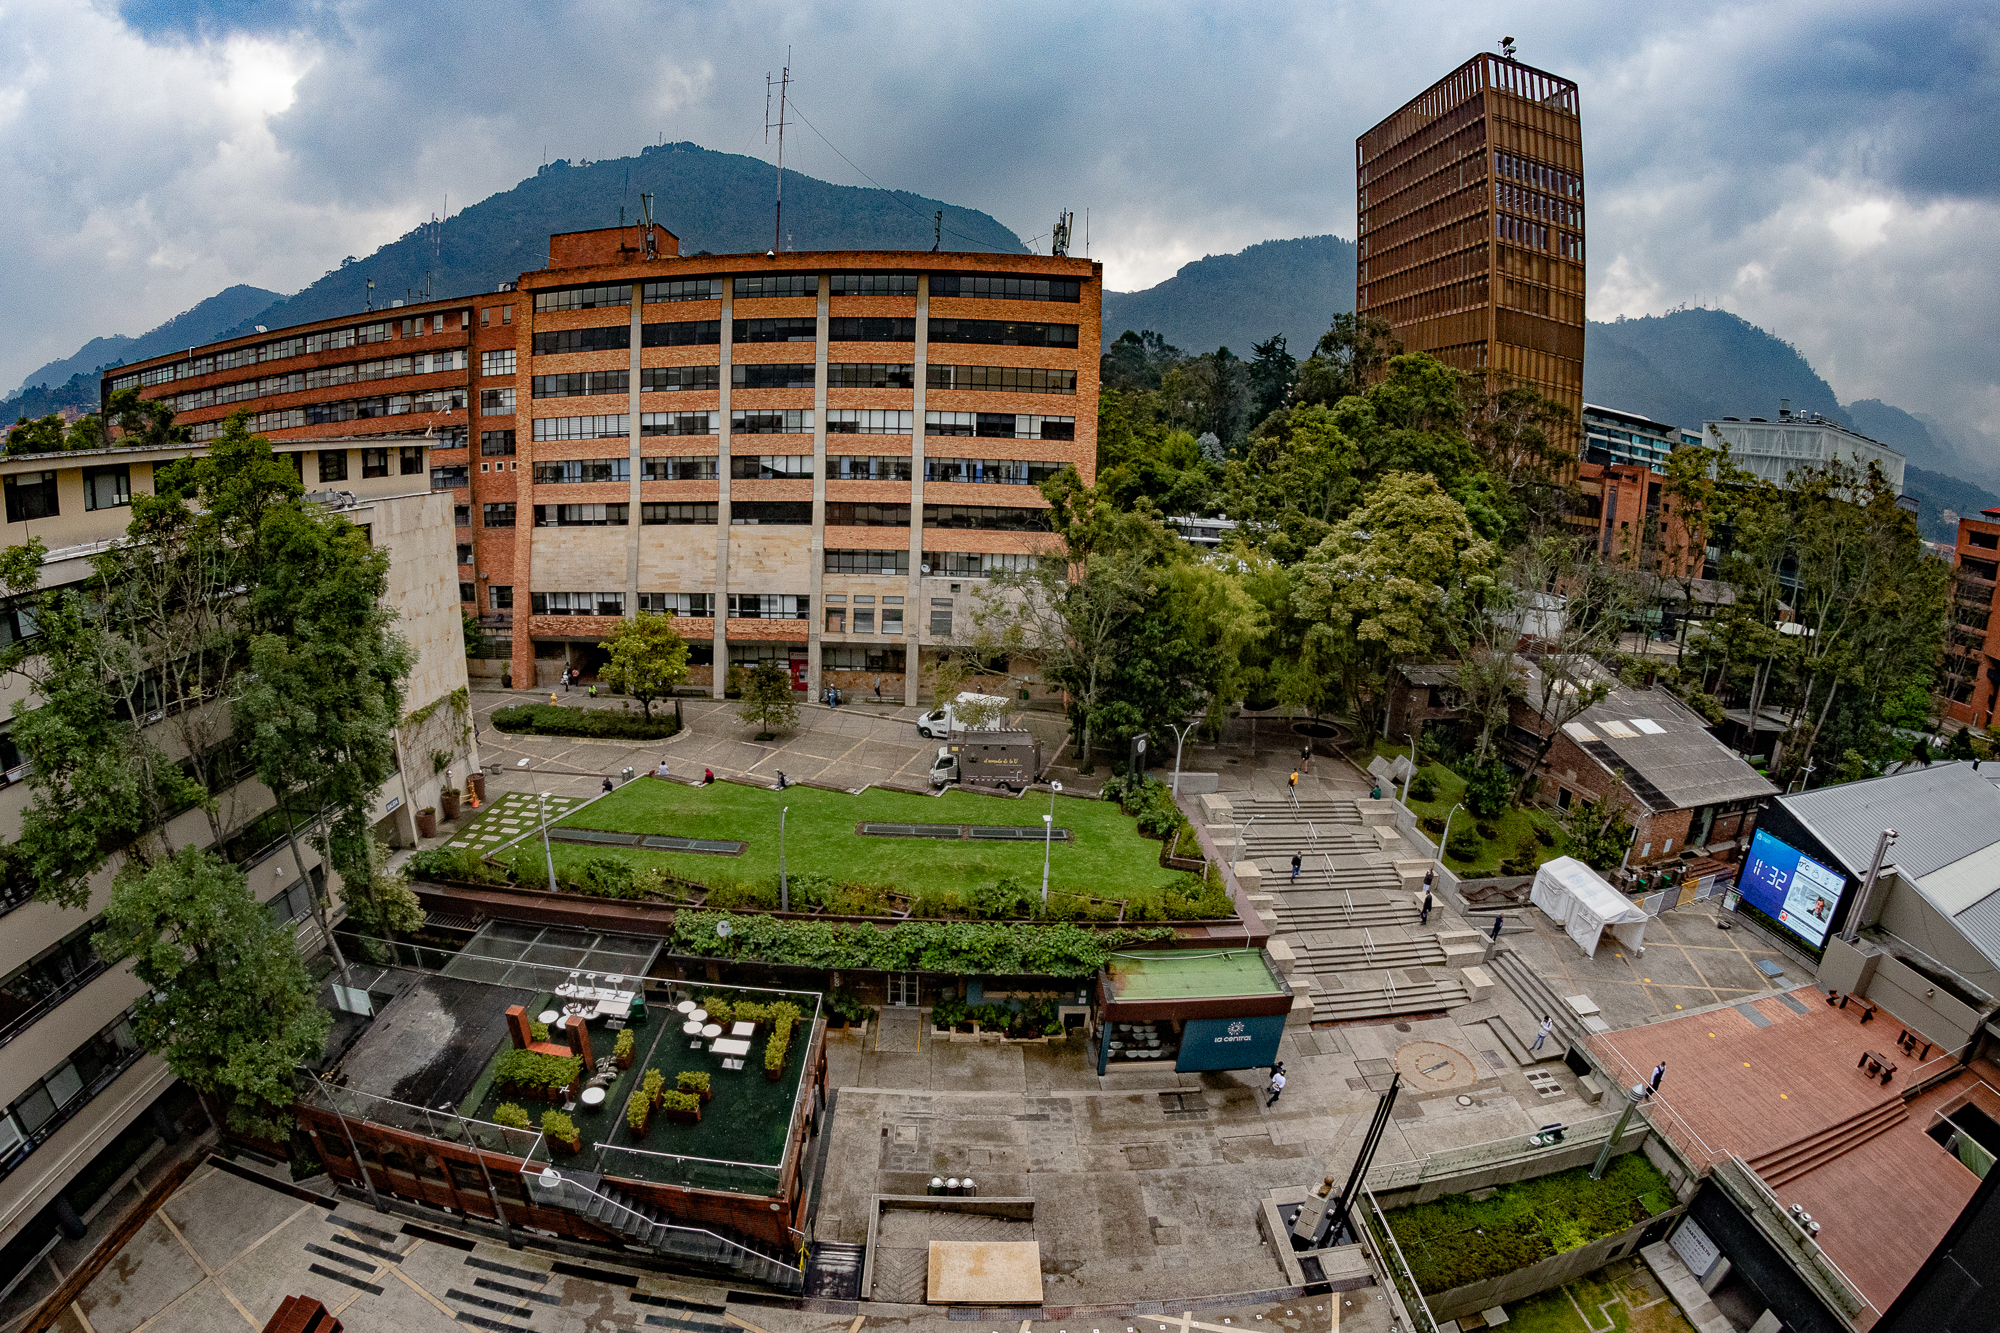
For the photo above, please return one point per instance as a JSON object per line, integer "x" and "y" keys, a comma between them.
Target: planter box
{"x": 1042, "y": 1040}
{"x": 560, "y": 1147}
{"x": 773, "y": 1075}
{"x": 449, "y": 804}
{"x": 683, "y": 1117}
{"x": 639, "y": 1131}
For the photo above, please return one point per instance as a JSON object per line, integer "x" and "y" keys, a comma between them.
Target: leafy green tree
{"x": 769, "y": 702}
{"x": 1137, "y": 361}
{"x": 1272, "y": 370}
{"x": 381, "y": 900}
{"x": 1348, "y": 358}
{"x": 43, "y": 435}
{"x": 648, "y": 658}
{"x": 1596, "y": 833}
{"x": 230, "y": 1007}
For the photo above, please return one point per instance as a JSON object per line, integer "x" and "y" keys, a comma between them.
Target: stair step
{"x": 1787, "y": 1163}
{"x": 1341, "y": 1006}
{"x": 1520, "y": 1049}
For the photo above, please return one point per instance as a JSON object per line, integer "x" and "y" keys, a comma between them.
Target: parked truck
{"x": 1008, "y": 759}
{"x": 968, "y": 712}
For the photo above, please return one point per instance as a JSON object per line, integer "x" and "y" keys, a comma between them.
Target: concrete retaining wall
{"x": 1536, "y": 1278}
{"x": 1544, "y": 1163}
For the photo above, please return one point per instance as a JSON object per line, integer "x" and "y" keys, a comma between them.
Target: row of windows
{"x": 582, "y": 298}
{"x": 707, "y": 332}
{"x": 32, "y": 495}
{"x": 374, "y": 463}
{"x": 323, "y": 377}
{"x": 49, "y": 1103}
{"x": 1521, "y": 231}
{"x": 497, "y": 363}
{"x": 496, "y": 443}
{"x": 867, "y": 421}
{"x": 996, "y": 471}
{"x": 1005, "y": 288}
{"x": 769, "y": 606}
{"x": 608, "y": 515}
{"x": 697, "y": 467}
{"x": 279, "y": 349}
{"x": 700, "y": 605}
{"x": 1514, "y": 167}
{"x": 1000, "y": 425}
{"x": 768, "y": 285}
{"x": 1538, "y": 205}
{"x": 575, "y": 470}
{"x": 496, "y": 402}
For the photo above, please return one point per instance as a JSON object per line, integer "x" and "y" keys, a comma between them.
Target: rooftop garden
{"x": 1457, "y": 1240}
{"x": 1509, "y": 841}
{"x": 1107, "y": 872}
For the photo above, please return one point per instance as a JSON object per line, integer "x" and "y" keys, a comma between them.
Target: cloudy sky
{"x": 1830, "y": 170}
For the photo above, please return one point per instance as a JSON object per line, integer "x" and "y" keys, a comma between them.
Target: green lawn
{"x": 1107, "y": 858}
{"x": 1621, "y": 1297}
{"x": 1516, "y": 827}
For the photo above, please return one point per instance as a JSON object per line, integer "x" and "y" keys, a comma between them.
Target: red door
{"x": 798, "y": 673}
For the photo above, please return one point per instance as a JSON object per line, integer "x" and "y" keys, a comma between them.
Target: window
{"x": 784, "y": 375}
{"x": 777, "y": 284}
{"x": 1979, "y": 569}
{"x": 677, "y": 515}
{"x": 1007, "y": 333}
{"x": 992, "y": 471}
{"x": 769, "y": 606}
{"x": 31, "y": 495}
{"x": 861, "y": 657}
{"x": 571, "y": 471}
{"x": 607, "y": 427}
{"x": 413, "y": 460}
{"x": 465, "y": 593}
{"x": 603, "y": 338}
{"x": 499, "y": 514}
{"x": 690, "y": 467}
{"x": 583, "y": 385}
{"x": 497, "y": 363}
{"x": 691, "y": 333}
{"x": 874, "y": 284}
{"x": 941, "y": 620}
{"x": 985, "y": 518}
{"x": 581, "y": 516}
{"x": 836, "y": 618}
{"x": 867, "y": 421}
{"x": 294, "y": 903}
{"x": 1984, "y": 540}
{"x": 500, "y": 596}
{"x": 54, "y": 973}
{"x": 864, "y": 615}
{"x": 680, "y": 423}
{"x": 996, "y": 287}
{"x": 49, "y": 1103}
{"x": 465, "y": 558}
{"x": 682, "y": 289}
{"x": 107, "y": 487}
{"x": 583, "y": 298}
{"x": 507, "y": 312}
{"x": 496, "y": 402}
{"x": 867, "y": 562}
{"x": 871, "y": 329}
{"x": 804, "y": 329}
{"x": 792, "y": 513}
{"x": 374, "y": 463}
{"x": 781, "y": 421}
{"x": 496, "y": 443}
{"x": 1000, "y": 425}
{"x": 868, "y": 467}
{"x": 450, "y": 478}
{"x": 578, "y": 603}
{"x": 844, "y": 515}
{"x": 17, "y": 622}
{"x": 333, "y": 465}
{"x": 461, "y": 516}
{"x": 1001, "y": 379}
{"x": 770, "y": 467}
{"x": 697, "y": 604}
{"x": 892, "y": 615}
{"x": 870, "y": 375}
{"x": 975, "y": 564}
{"x": 673, "y": 379}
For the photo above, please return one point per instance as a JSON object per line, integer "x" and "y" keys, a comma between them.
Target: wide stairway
{"x": 713, "y": 1248}
{"x": 1782, "y": 1166}
{"x": 1529, "y": 1000}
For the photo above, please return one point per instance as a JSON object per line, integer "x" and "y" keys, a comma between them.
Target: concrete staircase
{"x": 1536, "y": 998}
{"x": 1782, "y": 1166}
{"x": 1343, "y": 997}
{"x": 715, "y": 1248}
{"x": 1345, "y": 952}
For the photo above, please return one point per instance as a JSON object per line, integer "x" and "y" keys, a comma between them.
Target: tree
{"x": 1137, "y": 361}
{"x": 648, "y": 658}
{"x": 229, "y": 1005}
{"x": 1272, "y": 370}
{"x": 1572, "y": 606}
{"x": 769, "y": 702}
{"x": 381, "y": 899}
{"x": 1596, "y": 833}
{"x": 1348, "y": 358}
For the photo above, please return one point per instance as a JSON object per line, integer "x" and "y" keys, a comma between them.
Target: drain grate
{"x": 1183, "y": 1105}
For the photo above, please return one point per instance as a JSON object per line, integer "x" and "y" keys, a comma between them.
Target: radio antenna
{"x": 1059, "y": 234}
{"x": 784, "y": 87}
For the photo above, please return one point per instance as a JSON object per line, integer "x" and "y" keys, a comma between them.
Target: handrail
{"x": 684, "y": 1157}
{"x": 1809, "y": 1246}
{"x": 566, "y": 1183}
{"x": 1402, "y": 1269}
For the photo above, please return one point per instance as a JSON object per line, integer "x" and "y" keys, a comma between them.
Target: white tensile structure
{"x": 1573, "y": 895}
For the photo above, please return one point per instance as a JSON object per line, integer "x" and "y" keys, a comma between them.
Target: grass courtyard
{"x": 1621, "y": 1297}
{"x": 1516, "y": 827}
{"x": 1107, "y": 857}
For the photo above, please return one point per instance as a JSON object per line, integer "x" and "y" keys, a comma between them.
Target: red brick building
{"x": 1969, "y": 678}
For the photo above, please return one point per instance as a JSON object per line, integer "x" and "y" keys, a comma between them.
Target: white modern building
{"x": 1774, "y": 450}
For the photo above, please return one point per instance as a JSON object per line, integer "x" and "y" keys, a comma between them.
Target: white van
{"x": 943, "y": 722}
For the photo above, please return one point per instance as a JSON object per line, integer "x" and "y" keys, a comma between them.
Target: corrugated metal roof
{"x": 1980, "y": 924}
{"x": 1670, "y": 760}
{"x": 1941, "y": 814}
{"x": 1430, "y": 673}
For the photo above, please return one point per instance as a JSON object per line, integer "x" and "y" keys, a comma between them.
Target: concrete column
{"x": 721, "y": 670}
{"x": 522, "y": 661}
{"x": 632, "y": 453}
{"x": 816, "y": 571}
{"x": 913, "y": 600}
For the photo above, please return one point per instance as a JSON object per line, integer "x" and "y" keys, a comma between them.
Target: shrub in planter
{"x": 561, "y": 1132}
{"x": 427, "y": 822}
{"x": 682, "y": 1106}
{"x": 510, "y": 1115}
{"x": 1464, "y": 845}
{"x": 537, "y": 1073}
{"x": 621, "y": 1050}
{"x": 694, "y": 1081}
{"x": 448, "y": 799}
{"x": 651, "y": 1084}
{"x": 719, "y": 1010}
{"x": 783, "y": 1015}
{"x": 460, "y": 864}
{"x": 538, "y": 1030}
{"x": 947, "y": 1012}
{"x": 639, "y": 1113}
{"x": 556, "y": 720}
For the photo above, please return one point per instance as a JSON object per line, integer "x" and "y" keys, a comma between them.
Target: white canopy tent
{"x": 1577, "y": 899}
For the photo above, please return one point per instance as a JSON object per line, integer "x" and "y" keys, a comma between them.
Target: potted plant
{"x": 538, "y": 1030}
{"x": 448, "y": 797}
{"x": 507, "y": 678}
{"x": 651, "y": 1085}
{"x": 682, "y": 1106}
{"x": 427, "y": 822}
{"x": 696, "y": 1082}
{"x": 477, "y": 783}
{"x": 639, "y": 1113}
{"x": 561, "y": 1133}
{"x": 510, "y": 1115}
{"x": 621, "y": 1050}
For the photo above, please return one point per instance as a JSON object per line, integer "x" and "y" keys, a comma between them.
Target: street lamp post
{"x": 784, "y": 885}
{"x": 549, "y": 856}
{"x": 1411, "y": 776}
{"x": 1180, "y": 739}
{"x": 1632, "y": 1097}
{"x": 1048, "y": 837}
{"x": 1446, "y": 834}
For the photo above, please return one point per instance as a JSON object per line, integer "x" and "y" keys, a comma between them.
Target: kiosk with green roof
{"x": 1200, "y": 1008}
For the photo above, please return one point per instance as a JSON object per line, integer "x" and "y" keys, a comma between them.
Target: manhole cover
{"x": 1432, "y": 1066}
{"x": 1464, "y": 1100}
{"x": 1402, "y": 1027}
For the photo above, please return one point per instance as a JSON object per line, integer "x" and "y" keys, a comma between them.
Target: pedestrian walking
{"x": 1295, "y": 782}
{"x": 1306, "y": 757}
{"x": 1425, "y": 918}
{"x": 1498, "y": 921}
{"x": 878, "y": 689}
{"x": 1542, "y": 1032}
{"x": 783, "y": 782}
{"x": 1276, "y": 1086}
{"x": 1659, "y": 1072}
{"x": 566, "y": 678}
{"x": 1297, "y": 861}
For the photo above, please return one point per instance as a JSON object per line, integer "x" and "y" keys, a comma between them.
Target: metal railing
{"x": 1391, "y": 1255}
{"x": 713, "y": 1173}
{"x": 1447, "y": 1162}
{"x": 441, "y": 1123}
{"x": 728, "y": 1250}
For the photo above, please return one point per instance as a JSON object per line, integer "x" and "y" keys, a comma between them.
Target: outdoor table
{"x": 712, "y": 1030}
{"x": 685, "y": 1007}
{"x": 742, "y": 1029}
{"x": 699, "y": 1015}
{"x": 615, "y": 1008}
{"x": 692, "y": 1028}
{"x": 549, "y": 1016}
{"x": 593, "y": 1097}
{"x": 729, "y": 1046}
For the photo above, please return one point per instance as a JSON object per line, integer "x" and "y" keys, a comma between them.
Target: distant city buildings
{"x": 1774, "y": 450}
{"x": 1613, "y": 436}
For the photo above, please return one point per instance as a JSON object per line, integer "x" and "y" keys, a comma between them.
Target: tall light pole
{"x": 1632, "y": 1098}
{"x": 784, "y": 885}
{"x": 547, "y": 855}
{"x": 1048, "y": 837}
{"x": 1180, "y": 739}
{"x": 1411, "y": 776}
{"x": 1446, "y": 834}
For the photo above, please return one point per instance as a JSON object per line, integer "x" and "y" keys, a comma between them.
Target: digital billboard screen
{"x": 1790, "y": 887}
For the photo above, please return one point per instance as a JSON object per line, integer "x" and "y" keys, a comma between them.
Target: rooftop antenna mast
{"x": 1059, "y": 234}
{"x": 646, "y": 221}
{"x": 784, "y": 85}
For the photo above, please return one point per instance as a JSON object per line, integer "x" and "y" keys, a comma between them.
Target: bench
{"x": 1877, "y": 1064}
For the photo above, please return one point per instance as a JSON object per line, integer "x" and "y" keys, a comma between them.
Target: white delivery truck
{"x": 1007, "y": 759}
{"x": 949, "y": 719}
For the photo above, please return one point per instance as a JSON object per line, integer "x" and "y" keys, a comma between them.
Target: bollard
{"x": 936, "y": 1186}
{"x": 970, "y": 1190}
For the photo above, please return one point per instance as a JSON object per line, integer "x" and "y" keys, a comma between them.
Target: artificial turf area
{"x": 1515, "y": 826}
{"x": 1107, "y": 857}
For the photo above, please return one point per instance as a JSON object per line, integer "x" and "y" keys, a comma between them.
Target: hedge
{"x": 536, "y": 1069}
{"x": 978, "y": 948}
{"x": 600, "y": 723}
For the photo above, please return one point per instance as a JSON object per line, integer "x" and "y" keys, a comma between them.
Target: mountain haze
{"x": 203, "y": 323}
{"x": 1290, "y": 287}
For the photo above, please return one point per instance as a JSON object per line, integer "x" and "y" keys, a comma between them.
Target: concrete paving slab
{"x": 151, "y": 1271}
{"x": 219, "y": 1234}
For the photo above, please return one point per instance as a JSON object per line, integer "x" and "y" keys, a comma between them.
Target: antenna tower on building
{"x": 784, "y": 84}
{"x": 1059, "y": 234}
{"x": 937, "y": 230}
{"x": 646, "y": 221}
